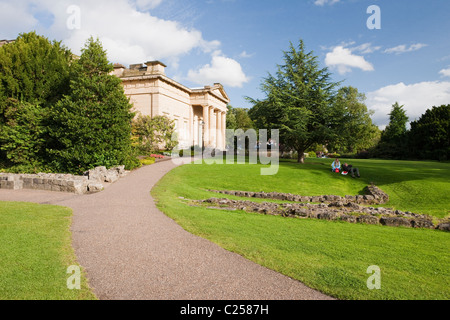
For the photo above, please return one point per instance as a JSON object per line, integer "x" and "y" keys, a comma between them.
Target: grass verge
{"x": 35, "y": 251}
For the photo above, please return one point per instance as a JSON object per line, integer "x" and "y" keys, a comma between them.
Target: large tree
{"x": 238, "y": 119}
{"x": 34, "y": 74}
{"x": 92, "y": 124}
{"x": 393, "y": 139}
{"x": 354, "y": 128}
{"x": 429, "y": 137}
{"x": 299, "y": 101}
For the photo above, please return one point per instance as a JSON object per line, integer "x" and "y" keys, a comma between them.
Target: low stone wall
{"x": 92, "y": 180}
{"x": 352, "y": 209}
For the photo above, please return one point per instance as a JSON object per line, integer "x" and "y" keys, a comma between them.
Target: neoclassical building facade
{"x": 198, "y": 113}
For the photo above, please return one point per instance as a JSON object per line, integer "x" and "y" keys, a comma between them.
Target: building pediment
{"x": 219, "y": 91}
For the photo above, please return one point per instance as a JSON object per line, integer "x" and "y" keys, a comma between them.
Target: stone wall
{"x": 92, "y": 180}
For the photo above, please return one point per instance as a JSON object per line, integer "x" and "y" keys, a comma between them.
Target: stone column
{"x": 212, "y": 128}
{"x": 224, "y": 128}
{"x": 195, "y": 131}
{"x": 206, "y": 125}
{"x": 219, "y": 130}
{"x": 191, "y": 125}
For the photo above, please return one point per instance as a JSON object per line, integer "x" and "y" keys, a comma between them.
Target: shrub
{"x": 152, "y": 134}
{"x": 22, "y": 137}
{"x": 147, "y": 161}
{"x": 312, "y": 154}
{"x": 333, "y": 155}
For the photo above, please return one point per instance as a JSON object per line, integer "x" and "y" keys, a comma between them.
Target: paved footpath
{"x": 131, "y": 250}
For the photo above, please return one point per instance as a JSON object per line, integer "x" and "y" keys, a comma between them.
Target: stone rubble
{"x": 375, "y": 196}
{"x": 352, "y": 209}
{"x": 92, "y": 181}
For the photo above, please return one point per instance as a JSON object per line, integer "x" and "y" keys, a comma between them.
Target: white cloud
{"x": 147, "y": 4}
{"x": 225, "y": 70}
{"x": 366, "y": 48}
{"x": 15, "y": 18}
{"x": 129, "y": 34}
{"x": 344, "y": 60}
{"x": 445, "y": 72}
{"x": 416, "y": 98}
{"x": 324, "y": 2}
{"x": 404, "y": 48}
{"x": 244, "y": 54}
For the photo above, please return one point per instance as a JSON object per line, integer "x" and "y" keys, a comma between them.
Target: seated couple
{"x": 346, "y": 168}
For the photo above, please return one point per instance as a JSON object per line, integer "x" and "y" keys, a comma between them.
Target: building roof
{"x": 141, "y": 72}
{"x": 3, "y": 42}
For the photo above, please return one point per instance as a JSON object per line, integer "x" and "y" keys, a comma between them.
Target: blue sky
{"x": 238, "y": 42}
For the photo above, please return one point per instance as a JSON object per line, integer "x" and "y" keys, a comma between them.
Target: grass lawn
{"x": 332, "y": 257}
{"x": 35, "y": 251}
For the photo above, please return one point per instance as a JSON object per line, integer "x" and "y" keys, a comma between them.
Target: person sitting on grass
{"x": 349, "y": 168}
{"x": 336, "y": 165}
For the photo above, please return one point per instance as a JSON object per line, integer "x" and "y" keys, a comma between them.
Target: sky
{"x": 390, "y": 50}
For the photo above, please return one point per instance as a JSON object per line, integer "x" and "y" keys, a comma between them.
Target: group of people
{"x": 270, "y": 145}
{"x": 344, "y": 169}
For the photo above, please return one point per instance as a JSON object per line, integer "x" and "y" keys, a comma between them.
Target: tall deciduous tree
{"x": 429, "y": 137}
{"x": 299, "y": 101}
{"x": 92, "y": 124}
{"x": 355, "y": 130}
{"x": 238, "y": 118}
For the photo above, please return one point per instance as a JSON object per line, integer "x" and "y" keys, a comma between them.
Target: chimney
{"x": 155, "y": 67}
{"x": 136, "y": 66}
{"x": 118, "y": 69}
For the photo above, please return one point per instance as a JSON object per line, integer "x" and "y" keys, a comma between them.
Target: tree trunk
{"x": 301, "y": 157}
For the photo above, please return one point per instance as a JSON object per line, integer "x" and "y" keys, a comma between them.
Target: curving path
{"x": 131, "y": 250}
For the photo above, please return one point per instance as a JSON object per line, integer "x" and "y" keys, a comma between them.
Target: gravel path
{"x": 131, "y": 250}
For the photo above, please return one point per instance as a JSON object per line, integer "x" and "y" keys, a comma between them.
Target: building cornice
{"x": 206, "y": 90}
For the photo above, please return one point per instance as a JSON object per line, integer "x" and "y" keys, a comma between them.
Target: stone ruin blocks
{"x": 92, "y": 181}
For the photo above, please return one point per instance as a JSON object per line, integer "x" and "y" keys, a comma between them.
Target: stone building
{"x": 198, "y": 113}
{"x": 3, "y": 42}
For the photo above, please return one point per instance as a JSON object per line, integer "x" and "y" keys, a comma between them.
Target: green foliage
{"x": 312, "y": 154}
{"x": 34, "y": 73}
{"x": 429, "y": 137}
{"x": 238, "y": 118}
{"x": 393, "y": 143}
{"x": 147, "y": 161}
{"x": 354, "y": 128}
{"x": 34, "y": 70}
{"x": 91, "y": 126}
{"x": 298, "y": 101}
{"x": 154, "y": 133}
{"x": 22, "y": 133}
{"x": 397, "y": 123}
